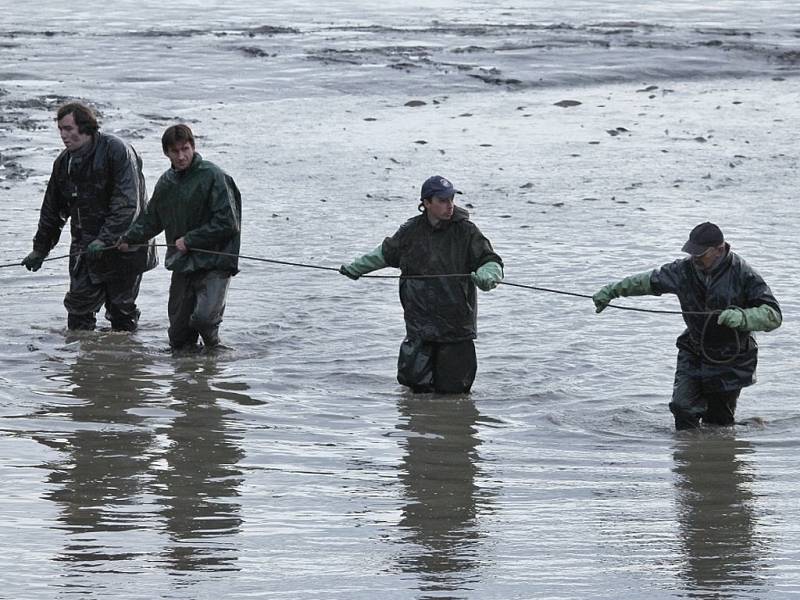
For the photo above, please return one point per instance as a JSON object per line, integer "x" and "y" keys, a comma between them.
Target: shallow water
{"x": 294, "y": 466}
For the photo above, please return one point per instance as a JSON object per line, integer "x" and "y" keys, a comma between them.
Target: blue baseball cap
{"x": 437, "y": 186}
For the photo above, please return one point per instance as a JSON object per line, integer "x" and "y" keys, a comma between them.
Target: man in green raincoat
{"x": 198, "y": 207}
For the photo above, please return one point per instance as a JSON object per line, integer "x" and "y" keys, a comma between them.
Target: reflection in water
{"x": 715, "y": 504}
{"x": 144, "y": 459}
{"x": 438, "y": 473}
{"x": 199, "y": 479}
{"x": 106, "y": 458}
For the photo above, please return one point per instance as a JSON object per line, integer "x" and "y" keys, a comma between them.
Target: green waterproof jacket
{"x": 439, "y": 309}
{"x": 721, "y": 357}
{"x": 203, "y": 206}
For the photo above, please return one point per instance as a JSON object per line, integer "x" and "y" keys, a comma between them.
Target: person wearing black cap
{"x": 724, "y": 300}
{"x": 437, "y": 353}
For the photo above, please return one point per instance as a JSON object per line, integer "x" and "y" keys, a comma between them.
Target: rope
{"x": 19, "y": 263}
{"x": 633, "y": 308}
{"x": 709, "y": 314}
{"x": 707, "y": 356}
{"x": 445, "y": 275}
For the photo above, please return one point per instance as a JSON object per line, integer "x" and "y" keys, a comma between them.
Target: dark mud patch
{"x": 252, "y": 51}
{"x": 567, "y": 103}
{"x": 21, "y": 115}
{"x": 33, "y": 33}
{"x": 39, "y": 103}
{"x": 165, "y": 119}
{"x": 133, "y": 134}
{"x": 493, "y": 77}
{"x": 270, "y": 30}
{"x": 11, "y": 169}
{"x": 167, "y": 33}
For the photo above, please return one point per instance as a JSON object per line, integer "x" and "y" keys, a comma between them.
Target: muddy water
{"x": 293, "y": 465}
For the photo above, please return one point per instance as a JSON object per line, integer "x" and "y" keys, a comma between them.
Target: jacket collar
{"x": 77, "y": 158}
{"x": 718, "y": 267}
{"x": 178, "y": 175}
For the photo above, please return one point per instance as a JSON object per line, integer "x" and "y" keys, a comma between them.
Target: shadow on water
{"x": 716, "y": 514}
{"x": 199, "y": 481}
{"x": 443, "y": 500}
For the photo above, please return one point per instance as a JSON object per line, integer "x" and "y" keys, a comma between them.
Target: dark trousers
{"x": 693, "y": 403}
{"x": 196, "y": 306}
{"x": 447, "y": 368}
{"x": 87, "y": 295}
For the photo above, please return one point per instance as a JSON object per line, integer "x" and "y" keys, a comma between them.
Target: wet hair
{"x": 176, "y": 135}
{"x": 84, "y": 117}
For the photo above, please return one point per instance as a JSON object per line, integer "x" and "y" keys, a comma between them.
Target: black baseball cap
{"x": 437, "y": 186}
{"x": 704, "y": 236}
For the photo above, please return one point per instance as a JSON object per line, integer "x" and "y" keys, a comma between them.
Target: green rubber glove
{"x": 34, "y": 260}
{"x": 635, "y": 285}
{"x": 94, "y": 248}
{"x": 488, "y": 276}
{"x": 371, "y": 261}
{"x": 759, "y": 318}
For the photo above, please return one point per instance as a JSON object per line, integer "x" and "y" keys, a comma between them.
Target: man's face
{"x": 706, "y": 260}
{"x": 72, "y": 138}
{"x": 180, "y": 155}
{"x": 439, "y": 209}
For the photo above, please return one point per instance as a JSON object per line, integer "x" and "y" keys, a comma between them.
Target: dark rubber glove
{"x": 34, "y": 260}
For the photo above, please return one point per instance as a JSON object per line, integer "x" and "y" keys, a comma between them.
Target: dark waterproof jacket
{"x": 439, "y": 309}
{"x": 101, "y": 191}
{"x": 203, "y": 206}
{"x": 732, "y": 283}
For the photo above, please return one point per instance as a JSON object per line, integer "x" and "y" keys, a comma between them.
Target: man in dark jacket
{"x": 97, "y": 183}
{"x": 724, "y": 300}
{"x": 198, "y": 207}
{"x": 438, "y": 353}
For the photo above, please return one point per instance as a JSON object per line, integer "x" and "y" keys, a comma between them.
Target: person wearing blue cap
{"x": 723, "y": 300}
{"x": 432, "y": 250}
